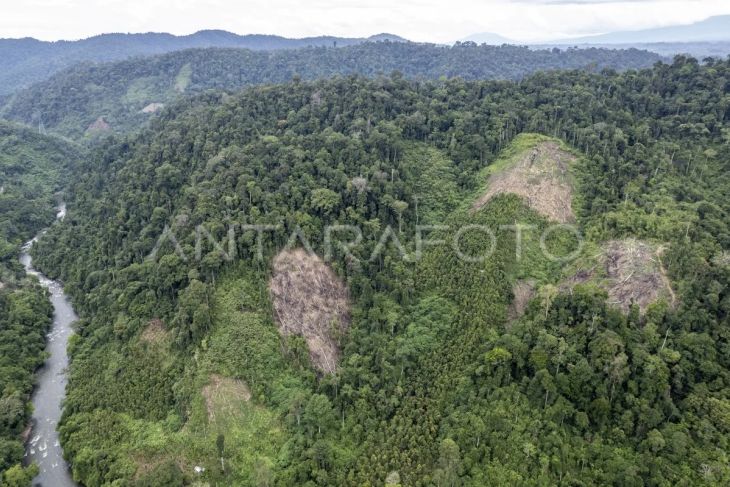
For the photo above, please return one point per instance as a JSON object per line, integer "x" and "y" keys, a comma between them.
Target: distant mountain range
{"x": 709, "y": 30}
{"x": 26, "y": 61}
{"x": 489, "y": 38}
{"x": 712, "y": 29}
{"x": 709, "y": 37}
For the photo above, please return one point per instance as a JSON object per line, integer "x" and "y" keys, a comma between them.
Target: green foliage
{"x": 18, "y": 476}
{"x": 33, "y": 168}
{"x": 70, "y": 101}
{"x": 435, "y": 383}
{"x": 167, "y": 474}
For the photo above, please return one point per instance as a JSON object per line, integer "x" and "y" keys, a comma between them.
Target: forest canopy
{"x": 95, "y": 99}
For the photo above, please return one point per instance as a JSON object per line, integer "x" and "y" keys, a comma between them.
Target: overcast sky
{"x": 418, "y": 20}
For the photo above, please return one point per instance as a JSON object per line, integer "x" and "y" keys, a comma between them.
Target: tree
{"x": 399, "y": 207}
{"x": 449, "y": 464}
{"x": 17, "y": 476}
{"x": 325, "y": 200}
{"x": 318, "y": 414}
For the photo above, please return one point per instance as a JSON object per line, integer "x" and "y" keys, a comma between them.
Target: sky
{"x": 442, "y": 21}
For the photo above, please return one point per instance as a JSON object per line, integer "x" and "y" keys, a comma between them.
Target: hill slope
{"x": 33, "y": 167}
{"x": 117, "y": 94}
{"x": 179, "y": 361}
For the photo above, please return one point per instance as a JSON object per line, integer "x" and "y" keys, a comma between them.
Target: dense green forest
{"x": 121, "y": 96}
{"x": 178, "y": 363}
{"x": 32, "y": 169}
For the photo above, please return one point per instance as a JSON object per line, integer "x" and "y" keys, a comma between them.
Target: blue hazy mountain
{"x": 712, "y": 29}
{"x": 489, "y": 38}
{"x": 707, "y": 38}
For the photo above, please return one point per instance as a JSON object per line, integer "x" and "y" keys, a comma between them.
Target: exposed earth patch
{"x": 630, "y": 271}
{"x": 310, "y": 301}
{"x": 541, "y": 176}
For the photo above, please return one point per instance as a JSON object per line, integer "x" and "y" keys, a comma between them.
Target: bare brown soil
{"x": 223, "y": 395}
{"x": 633, "y": 274}
{"x": 523, "y": 292}
{"x": 310, "y": 301}
{"x": 541, "y": 177}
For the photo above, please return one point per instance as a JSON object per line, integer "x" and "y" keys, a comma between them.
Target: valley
{"x": 385, "y": 263}
{"x": 43, "y": 447}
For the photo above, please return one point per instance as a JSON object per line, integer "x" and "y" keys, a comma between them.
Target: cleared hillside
{"x": 539, "y": 174}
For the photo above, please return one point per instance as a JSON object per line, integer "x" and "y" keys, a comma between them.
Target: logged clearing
{"x": 182, "y": 80}
{"x": 100, "y": 125}
{"x": 541, "y": 176}
{"x": 523, "y": 291}
{"x": 310, "y": 301}
{"x": 633, "y": 274}
{"x": 153, "y": 108}
{"x": 224, "y": 395}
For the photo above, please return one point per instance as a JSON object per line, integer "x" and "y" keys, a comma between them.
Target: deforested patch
{"x": 224, "y": 395}
{"x": 153, "y": 108}
{"x": 631, "y": 272}
{"x": 522, "y": 291}
{"x": 99, "y": 125}
{"x": 541, "y": 176}
{"x": 154, "y": 332}
{"x": 182, "y": 80}
{"x": 310, "y": 301}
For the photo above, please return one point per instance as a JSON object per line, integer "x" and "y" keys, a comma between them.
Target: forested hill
{"x": 438, "y": 377}
{"x": 27, "y": 61}
{"x": 93, "y": 99}
{"x": 33, "y": 167}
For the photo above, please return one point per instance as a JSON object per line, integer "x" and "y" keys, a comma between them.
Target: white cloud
{"x": 420, "y": 20}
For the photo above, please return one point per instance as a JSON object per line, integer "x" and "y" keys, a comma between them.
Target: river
{"x": 43, "y": 446}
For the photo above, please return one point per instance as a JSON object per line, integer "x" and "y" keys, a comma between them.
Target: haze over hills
{"x": 712, "y": 29}
{"x": 709, "y": 37}
{"x": 25, "y": 61}
{"x": 489, "y": 38}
